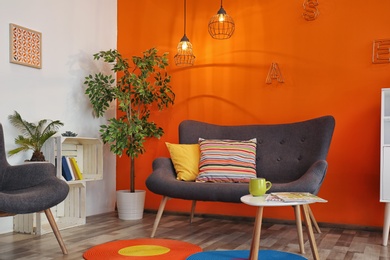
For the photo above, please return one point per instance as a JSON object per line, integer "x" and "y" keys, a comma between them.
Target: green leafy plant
{"x": 138, "y": 90}
{"x": 33, "y": 135}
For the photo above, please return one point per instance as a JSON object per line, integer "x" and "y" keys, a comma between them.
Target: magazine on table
{"x": 294, "y": 197}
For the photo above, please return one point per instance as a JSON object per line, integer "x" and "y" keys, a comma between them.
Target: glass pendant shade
{"x": 221, "y": 25}
{"x": 184, "y": 56}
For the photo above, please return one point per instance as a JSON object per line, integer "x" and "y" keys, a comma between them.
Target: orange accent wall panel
{"x": 327, "y": 69}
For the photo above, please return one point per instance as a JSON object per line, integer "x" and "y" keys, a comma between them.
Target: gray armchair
{"x": 30, "y": 188}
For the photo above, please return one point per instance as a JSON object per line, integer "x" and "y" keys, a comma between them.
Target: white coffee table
{"x": 260, "y": 202}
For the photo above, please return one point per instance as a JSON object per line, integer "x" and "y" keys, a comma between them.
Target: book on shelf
{"x": 294, "y": 197}
{"x": 76, "y": 168}
{"x": 65, "y": 169}
{"x": 70, "y": 168}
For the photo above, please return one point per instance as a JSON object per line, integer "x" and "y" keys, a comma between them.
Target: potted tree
{"x": 138, "y": 89}
{"x": 33, "y": 135}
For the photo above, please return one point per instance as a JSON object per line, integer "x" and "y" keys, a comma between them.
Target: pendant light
{"x": 221, "y": 25}
{"x": 184, "y": 56}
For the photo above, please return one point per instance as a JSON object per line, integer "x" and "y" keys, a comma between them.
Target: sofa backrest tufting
{"x": 284, "y": 151}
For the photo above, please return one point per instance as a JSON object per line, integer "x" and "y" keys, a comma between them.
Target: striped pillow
{"x": 227, "y": 160}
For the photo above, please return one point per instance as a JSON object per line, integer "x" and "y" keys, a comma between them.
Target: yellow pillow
{"x": 185, "y": 158}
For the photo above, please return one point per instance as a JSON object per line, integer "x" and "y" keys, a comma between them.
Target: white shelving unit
{"x": 385, "y": 146}
{"x": 385, "y": 161}
{"x": 88, "y": 153}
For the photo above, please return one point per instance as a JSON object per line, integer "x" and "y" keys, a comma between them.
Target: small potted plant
{"x": 33, "y": 135}
{"x": 138, "y": 90}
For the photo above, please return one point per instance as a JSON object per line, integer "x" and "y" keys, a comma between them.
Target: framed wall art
{"x": 25, "y": 46}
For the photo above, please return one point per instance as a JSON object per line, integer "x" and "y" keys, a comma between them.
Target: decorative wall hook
{"x": 310, "y": 10}
{"x": 381, "y": 51}
{"x": 274, "y": 73}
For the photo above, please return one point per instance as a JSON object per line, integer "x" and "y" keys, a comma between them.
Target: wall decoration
{"x": 381, "y": 51}
{"x": 274, "y": 73}
{"x": 310, "y": 10}
{"x": 25, "y": 46}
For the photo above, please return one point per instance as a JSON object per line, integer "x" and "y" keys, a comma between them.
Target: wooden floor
{"x": 209, "y": 233}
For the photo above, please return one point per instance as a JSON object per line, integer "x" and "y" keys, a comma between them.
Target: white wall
{"x": 72, "y": 30}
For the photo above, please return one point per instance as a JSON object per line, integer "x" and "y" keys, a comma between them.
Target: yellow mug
{"x": 259, "y": 186}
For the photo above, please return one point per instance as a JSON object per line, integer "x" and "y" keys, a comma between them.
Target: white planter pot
{"x": 130, "y": 204}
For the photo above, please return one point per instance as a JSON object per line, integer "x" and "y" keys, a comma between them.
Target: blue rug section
{"x": 244, "y": 255}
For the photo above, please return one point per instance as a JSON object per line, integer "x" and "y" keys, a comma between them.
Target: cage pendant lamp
{"x": 184, "y": 55}
{"x": 221, "y": 25}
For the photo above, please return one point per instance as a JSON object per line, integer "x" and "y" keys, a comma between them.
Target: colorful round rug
{"x": 244, "y": 255}
{"x": 145, "y": 249}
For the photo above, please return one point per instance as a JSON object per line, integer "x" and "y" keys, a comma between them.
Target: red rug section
{"x": 178, "y": 249}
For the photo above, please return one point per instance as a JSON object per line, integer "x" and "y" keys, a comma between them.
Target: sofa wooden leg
{"x": 313, "y": 220}
{"x": 56, "y": 231}
{"x": 192, "y": 210}
{"x": 159, "y": 214}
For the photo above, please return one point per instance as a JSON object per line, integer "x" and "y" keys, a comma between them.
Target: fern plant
{"x": 33, "y": 135}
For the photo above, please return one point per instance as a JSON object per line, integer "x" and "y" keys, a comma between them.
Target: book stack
{"x": 70, "y": 169}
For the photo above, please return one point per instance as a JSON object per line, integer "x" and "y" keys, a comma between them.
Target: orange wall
{"x": 327, "y": 69}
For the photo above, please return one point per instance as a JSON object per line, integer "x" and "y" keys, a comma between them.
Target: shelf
{"x": 88, "y": 153}
{"x": 69, "y": 213}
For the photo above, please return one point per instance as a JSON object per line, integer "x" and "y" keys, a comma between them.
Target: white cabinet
{"x": 88, "y": 153}
{"x": 385, "y": 161}
{"x": 385, "y": 147}
{"x": 385, "y": 175}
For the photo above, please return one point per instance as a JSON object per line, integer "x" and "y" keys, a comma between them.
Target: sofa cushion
{"x": 227, "y": 160}
{"x": 185, "y": 159}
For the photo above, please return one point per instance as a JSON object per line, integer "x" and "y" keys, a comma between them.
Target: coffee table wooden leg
{"x": 254, "y": 253}
{"x": 309, "y": 227}
{"x": 298, "y": 222}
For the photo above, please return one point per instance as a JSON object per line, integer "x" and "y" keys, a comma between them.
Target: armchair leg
{"x": 159, "y": 214}
{"x": 192, "y": 210}
{"x": 313, "y": 220}
{"x": 56, "y": 232}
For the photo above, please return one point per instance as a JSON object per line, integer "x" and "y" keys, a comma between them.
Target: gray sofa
{"x": 292, "y": 156}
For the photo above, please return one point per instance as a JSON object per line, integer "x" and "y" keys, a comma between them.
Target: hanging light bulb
{"x": 184, "y": 44}
{"x": 221, "y": 18}
{"x": 184, "y": 56}
{"x": 221, "y": 25}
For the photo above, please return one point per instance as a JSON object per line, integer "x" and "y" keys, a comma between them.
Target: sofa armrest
{"x": 163, "y": 174}
{"x": 164, "y": 164}
{"x": 309, "y": 182}
{"x": 26, "y": 175}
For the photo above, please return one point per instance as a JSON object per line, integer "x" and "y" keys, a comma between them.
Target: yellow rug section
{"x": 143, "y": 250}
